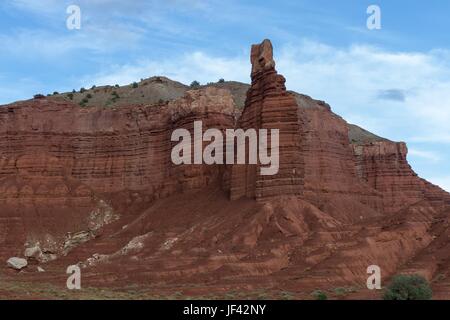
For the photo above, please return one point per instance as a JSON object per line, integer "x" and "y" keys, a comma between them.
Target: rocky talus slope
{"x": 94, "y": 185}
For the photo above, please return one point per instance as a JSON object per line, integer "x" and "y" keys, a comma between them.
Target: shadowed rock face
{"x": 96, "y": 186}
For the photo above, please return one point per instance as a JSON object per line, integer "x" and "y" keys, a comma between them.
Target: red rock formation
{"x": 331, "y": 181}
{"x": 316, "y": 163}
{"x": 270, "y": 106}
{"x": 58, "y": 160}
{"x": 383, "y": 165}
{"x": 96, "y": 186}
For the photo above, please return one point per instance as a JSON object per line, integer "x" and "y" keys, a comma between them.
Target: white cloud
{"x": 117, "y": 17}
{"x": 186, "y": 68}
{"x": 351, "y": 79}
{"x": 428, "y": 155}
{"x": 31, "y": 44}
{"x": 437, "y": 138}
{"x": 106, "y": 26}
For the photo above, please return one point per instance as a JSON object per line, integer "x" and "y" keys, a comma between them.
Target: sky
{"x": 393, "y": 81}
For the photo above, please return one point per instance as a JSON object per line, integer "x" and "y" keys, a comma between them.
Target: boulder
{"x": 17, "y": 263}
{"x": 33, "y": 252}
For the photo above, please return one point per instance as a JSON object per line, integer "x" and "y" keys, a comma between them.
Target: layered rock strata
{"x": 58, "y": 160}
{"x": 270, "y": 106}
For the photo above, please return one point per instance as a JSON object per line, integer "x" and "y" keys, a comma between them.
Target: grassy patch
{"x": 286, "y": 295}
{"x": 342, "y": 291}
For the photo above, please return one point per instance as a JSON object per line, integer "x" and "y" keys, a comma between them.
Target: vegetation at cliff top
{"x": 195, "y": 84}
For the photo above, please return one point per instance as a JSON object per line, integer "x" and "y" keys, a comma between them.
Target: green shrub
{"x": 195, "y": 84}
{"x": 70, "y": 95}
{"x": 38, "y": 96}
{"x": 319, "y": 295}
{"x": 82, "y": 90}
{"x": 55, "y": 93}
{"x": 135, "y": 85}
{"x": 115, "y": 96}
{"x": 408, "y": 287}
{"x": 221, "y": 80}
{"x": 89, "y": 96}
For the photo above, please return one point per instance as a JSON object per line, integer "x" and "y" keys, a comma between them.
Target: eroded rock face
{"x": 383, "y": 165}
{"x": 61, "y": 166}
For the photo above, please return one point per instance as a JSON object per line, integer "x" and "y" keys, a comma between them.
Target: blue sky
{"x": 394, "y": 81}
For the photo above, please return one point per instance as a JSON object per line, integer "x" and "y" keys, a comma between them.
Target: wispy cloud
{"x": 47, "y": 45}
{"x": 106, "y": 26}
{"x": 428, "y": 155}
{"x": 432, "y": 137}
{"x": 351, "y": 79}
{"x": 186, "y": 68}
